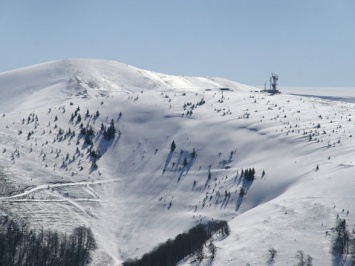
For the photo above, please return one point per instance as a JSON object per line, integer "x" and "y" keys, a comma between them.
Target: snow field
{"x": 142, "y": 194}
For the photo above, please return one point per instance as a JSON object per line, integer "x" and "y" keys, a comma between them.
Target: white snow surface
{"x": 141, "y": 194}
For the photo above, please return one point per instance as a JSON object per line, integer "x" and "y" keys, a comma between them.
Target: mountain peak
{"x": 31, "y": 87}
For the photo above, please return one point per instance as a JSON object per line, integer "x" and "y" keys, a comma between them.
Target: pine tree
{"x": 173, "y": 146}
{"x": 341, "y": 241}
{"x": 90, "y": 131}
{"x": 83, "y": 131}
{"x": 111, "y": 131}
{"x": 193, "y": 154}
{"x": 252, "y": 174}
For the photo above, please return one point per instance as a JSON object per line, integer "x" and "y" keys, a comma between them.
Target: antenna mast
{"x": 273, "y": 84}
{"x": 273, "y": 80}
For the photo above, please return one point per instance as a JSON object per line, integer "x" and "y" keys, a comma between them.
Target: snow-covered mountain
{"x": 142, "y": 193}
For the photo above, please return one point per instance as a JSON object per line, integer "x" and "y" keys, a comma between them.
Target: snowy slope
{"x": 141, "y": 194}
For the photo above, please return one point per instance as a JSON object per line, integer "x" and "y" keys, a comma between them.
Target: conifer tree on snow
{"x": 173, "y": 146}
{"x": 110, "y": 132}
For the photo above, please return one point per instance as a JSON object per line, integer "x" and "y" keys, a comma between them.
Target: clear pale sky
{"x": 306, "y": 42}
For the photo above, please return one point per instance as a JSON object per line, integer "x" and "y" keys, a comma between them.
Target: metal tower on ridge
{"x": 273, "y": 82}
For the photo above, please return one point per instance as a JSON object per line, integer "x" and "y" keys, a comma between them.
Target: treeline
{"x": 21, "y": 247}
{"x": 343, "y": 244}
{"x": 172, "y": 251}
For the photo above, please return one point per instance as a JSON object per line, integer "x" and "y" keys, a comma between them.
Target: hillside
{"x": 141, "y": 193}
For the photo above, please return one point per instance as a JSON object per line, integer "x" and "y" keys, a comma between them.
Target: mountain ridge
{"x": 76, "y": 76}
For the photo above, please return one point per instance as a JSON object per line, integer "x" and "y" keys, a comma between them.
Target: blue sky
{"x": 307, "y": 42}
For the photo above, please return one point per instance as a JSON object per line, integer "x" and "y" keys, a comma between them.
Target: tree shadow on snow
{"x": 97, "y": 137}
{"x": 206, "y": 184}
{"x": 178, "y": 162}
{"x": 186, "y": 168}
{"x": 167, "y": 161}
{"x": 116, "y": 140}
{"x": 239, "y": 202}
{"x": 338, "y": 260}
{"x": 189, "y": 165}
{"x": 181, "y": 173}
{"x": 270, "y": 261}
{"x": 240, "y": 180}
{"x": 246, "y": 186}
{"x": 225, "y": 201}
{"x": 105, "y": 144}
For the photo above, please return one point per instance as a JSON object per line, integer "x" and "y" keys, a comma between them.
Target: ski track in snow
{"x": 42, "y": 187}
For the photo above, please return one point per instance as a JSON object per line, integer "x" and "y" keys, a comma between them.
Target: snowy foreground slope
{"x": 141, "y": 194}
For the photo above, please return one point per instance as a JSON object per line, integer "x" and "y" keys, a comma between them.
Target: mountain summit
{"x": 31, "y": 87}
